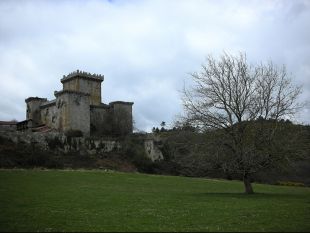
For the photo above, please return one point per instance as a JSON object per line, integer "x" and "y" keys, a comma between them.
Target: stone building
{"x": 78, "y": 107}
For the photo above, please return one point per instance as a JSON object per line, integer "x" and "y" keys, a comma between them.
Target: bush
{"x": 133, "y": 149}
{"x": 291, "y": 183}
{"x": 4, "y": 140}
{"x": 54, "y": 143}
{"x": 165, "y": 167}
{"x": 74, "y": 133}
{"x": 42, "y": 159}
{"x": 23, "y": 155}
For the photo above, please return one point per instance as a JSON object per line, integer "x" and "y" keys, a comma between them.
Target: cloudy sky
{"x": 145, "y": 49}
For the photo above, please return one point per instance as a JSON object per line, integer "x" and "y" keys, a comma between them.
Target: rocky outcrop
{"x": 59, "y": 143}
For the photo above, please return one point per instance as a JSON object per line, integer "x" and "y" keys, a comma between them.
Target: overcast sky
{"x": 145, "y": 49}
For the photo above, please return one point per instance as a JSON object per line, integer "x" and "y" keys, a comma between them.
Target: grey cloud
{"x": 145, "y": 49}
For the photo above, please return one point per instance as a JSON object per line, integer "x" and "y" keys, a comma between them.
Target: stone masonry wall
{"x": 79, "y": 113}
{"x": 93, "y": 88}
{"x": 100, "y": 120}
{"x": 73, "y": 112}
{"x": 33, "y": 109}
{"x": 49, "y": 115}
{"x": 122, "y": 117}
{"x": 60, "y": 143}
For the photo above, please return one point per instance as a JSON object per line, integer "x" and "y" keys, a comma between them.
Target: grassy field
{"x": 34, "y": 200}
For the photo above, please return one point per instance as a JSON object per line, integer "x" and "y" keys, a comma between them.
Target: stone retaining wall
{"x": 60, "y": 143}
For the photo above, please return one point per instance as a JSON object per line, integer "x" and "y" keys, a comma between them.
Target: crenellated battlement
{"x": 82, "y": 74}
{"x": 31, "y": 99}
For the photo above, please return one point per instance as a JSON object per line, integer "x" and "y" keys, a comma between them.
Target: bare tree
{"x": 230, "y": 95}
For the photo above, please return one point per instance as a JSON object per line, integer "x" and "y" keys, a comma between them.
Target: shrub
{"x": 165, "y": 167}
{"x": 42, "y": 159}
{"x": 4, "y": 140}
{"x": 53, "y": 143}
{"x": 74, "y": 133}
{"x": 291, "y": 183}
{"x": 134, "y": 151}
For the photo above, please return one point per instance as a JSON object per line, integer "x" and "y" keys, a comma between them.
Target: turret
{"x": 122, "y": 117}
{"x": 86, "y": 83}
{"x": 33, "y": 109}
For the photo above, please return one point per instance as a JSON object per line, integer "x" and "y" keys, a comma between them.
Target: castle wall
{"x": 62, "y": 109}
{"x": 80, "y": 112}
{"x": 59, "y": 143}
{"x": 122, "y": 117}
{"x": 100, "y": 120}
{"x": 49, "y": 114}
{"x": 73, "y": 111}
{"x": 33, "y": 109}
{"x": 93, "y": 88}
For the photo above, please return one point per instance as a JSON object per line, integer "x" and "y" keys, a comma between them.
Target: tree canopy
{"x": 244, "y": 103}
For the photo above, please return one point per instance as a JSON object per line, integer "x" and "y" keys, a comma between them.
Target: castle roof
{"x": 82, "y": 74}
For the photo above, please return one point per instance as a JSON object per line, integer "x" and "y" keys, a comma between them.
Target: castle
{"x": 78, "y": 107}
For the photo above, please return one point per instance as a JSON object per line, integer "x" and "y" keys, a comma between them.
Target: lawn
{"x": 38, "y": 200}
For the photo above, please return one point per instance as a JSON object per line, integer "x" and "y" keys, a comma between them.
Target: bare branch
{"x": 231, "y": 95}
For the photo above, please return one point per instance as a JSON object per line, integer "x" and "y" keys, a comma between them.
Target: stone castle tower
{"x": 78, "y": 107}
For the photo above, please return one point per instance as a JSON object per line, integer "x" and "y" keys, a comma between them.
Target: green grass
{"x": 34, "y": 200}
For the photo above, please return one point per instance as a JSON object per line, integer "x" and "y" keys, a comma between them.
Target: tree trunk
{"x": 247, "y": 184}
